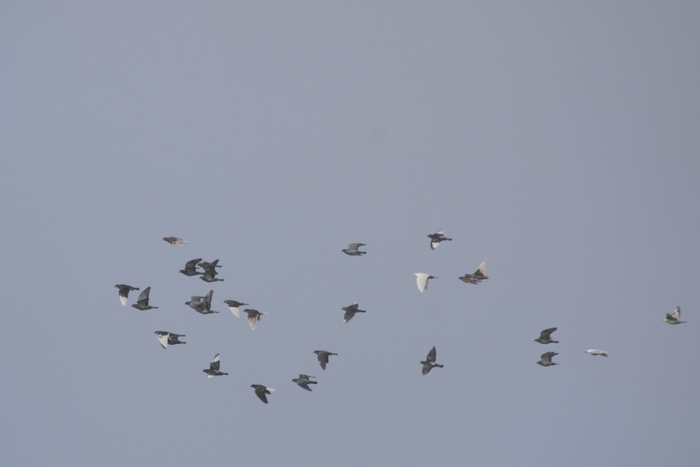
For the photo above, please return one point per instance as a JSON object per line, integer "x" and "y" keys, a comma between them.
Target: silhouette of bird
{"x": 253, "y": 316}
{"x": 303, "y": 381}
{"x": 596, "y": 352}
{"x": 124, "y": 292}
{"x": 214, "y": 366}
{"x": 350, "y": 311}
{"x": 429, "y": 362}
{"x": 675, "y": 317}
{"x": 142, "y": 302}
{"x": 191, "y": 268}
{"x": 202, "y": 304}
{"x": 261, "y": 391}
{"x": 168, "y": 338}
{"x": 422, "y": 280}
{"x": 478, "y": 276}
{"x": 436, "y": 238}
{"x": 353, "y": 249}
{"x": 210, "y": 273}
{"x": 545, "y": 337}
{"x": 175, "y": 241}
{"x": 234, "y": 306}
{"x": 546, "y": 359}
{"x": 323, "y": 357}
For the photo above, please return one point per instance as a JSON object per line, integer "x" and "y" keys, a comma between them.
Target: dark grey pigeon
{"x": 124, "y": 292}
{"x": 261, "y": 391}
{"x": 191, "y": 268}
{"x": 350, "y": 311}
{"x": 253, "y": 317}
{"x": 235, "y": 306}
{"x": 213, "y": 369}
{"x": 202, "y": 304}
{"x": 210, "y": 273}
{"x": 303, "y": 381}
{"x": 546, "y": 359}
{"x": 429, "y": 362}
{"x": 323, "y": 357}
{"x": 436, "y": 238}
{"x": 168, "y": 338}
{"x": 353, "y": 249}
{"x": 545, "y": 337}
{"x": 142, "y": 302}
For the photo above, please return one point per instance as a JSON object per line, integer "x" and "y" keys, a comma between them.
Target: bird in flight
{"x": 546, "y": 359}
{"x": 323, "y": 357}
{"x": 350, "y": 311}
{"x": 142, "y": 302}
{"x": 675, "y": 317}
{"x": 353, "y": 249}
{"x": 253, "y": 316}
{"x": 596, "y": 352}
{"x": 545, "y": 337}
{"x": 436, "y": 238}
{"x": 168, "y": 338}
{"x": 303, "y": 381}
{"x": 191, "y": 268}
{"x": 175, "y": 241}
{"x": 214, "y": 366}
{"x": 234, "y": 306}
{"x": 261, "y": 391}
{"x": 124, "y": 292}
{"x": 478, "y": 276}
{"x": 210, "y": 273}
{"x": 422, "y": 280}
{"x": 202, "y": 304}
{"x": 429, "y": 362}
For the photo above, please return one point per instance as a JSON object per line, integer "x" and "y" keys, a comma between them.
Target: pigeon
{"x": 202, "y": 304}
{"x": 478, "y": 276}
{"x": 261, "y": 390}
{"x": 323, "y": 357}
{"x": 429, "y": 362}
{"x": 124, "y": 292}
{"x": 436, "y": 238}
{"x": 350, "y": 311}
{"x": 175, "y": 241}
{"x": 675, "y": 317}
{"x": 353, "y": 249}
{"x": 422, "y": 280}
{"x": 304, "y": 380}
{"x": 546, "y": 359}
{"x": 213, "y": 369}
{"x": 596, "y": 352}
{"x": 253, "y": 317}
{"x": 168, "y": 338}
{"x": 210, "y": 273}
{"x": 234, "y": 306}
{"x": 544, "y": 337}
{"x": 191, "y": 268}
{"x": 142, "y": 302}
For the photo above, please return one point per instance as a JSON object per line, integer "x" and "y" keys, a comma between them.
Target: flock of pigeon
{"x": 203, "y": 305}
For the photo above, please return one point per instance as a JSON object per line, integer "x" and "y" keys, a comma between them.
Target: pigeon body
{"x": 546, "y": 359}
{"x": 429, "y": 362}
{"x": 596, "y": 352}
{"x": 353, "y": 249}
{"x": 261, "y": 391}
{"x": 675, "y": 317}
{"x": 545, "y": 337}
{"x": 124, "y": 292}
{"x": 191, "y": 268}
{"x": 422, "y": 280}
{"x": 350, "y": 311}
{"x": 175, "y": 241}
{"x": 436, "y": 238}
{"x": 142, "y": 302}
{"x": 202, "y": 304}
{"x": 234, "y": 306}
{"x": 253, "y": 317}
{"x": 478, "y": 276}
{"x": 168, "y": 338}
{"x": 323, "y": 357}
{"x": 303, "y": 381}
{"x": 214, "y": 366}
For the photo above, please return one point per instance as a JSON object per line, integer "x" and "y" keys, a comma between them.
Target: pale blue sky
{"x": 557, "y": 140}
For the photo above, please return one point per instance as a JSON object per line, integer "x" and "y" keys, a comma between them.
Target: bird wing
{"x": 143, "y": 296}
{"x": 163, "y": 339}
{"x": 215, "y": 363}
{"x": 546, "y": 333}
{"x": 431, "y": 355}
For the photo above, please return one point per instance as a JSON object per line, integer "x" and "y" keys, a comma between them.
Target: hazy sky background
{"x": 557, "y": 140}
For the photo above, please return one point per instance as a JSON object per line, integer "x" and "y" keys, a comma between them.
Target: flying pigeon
{"x": 202, "y": 304}
{"x": 436, "y": 238}
{"x": 596, "y": 352}
{"x": 175, "y": 241}
{"x": 545, "y": 337}
{"x": 210, "y": 273}
{"x": 353, "y": 249}
{"x": 168, "y": 338}
{"x": 323, "y": 357}
{"x": 124, "y": 292}
{"x": 350, "y": 311}
{"x": 253, "y": 316}
{"x": 675, "y": 317}
{"x": 142, "y": 302}
{"x": 191, "y": 268}
{"x": 546, "y": 359}
{"x": 478, "y": 276}
{"x": 234, "y": 306}
{"x": 422, "y": 280}
{"x": 429, "y": 362}
{"x": 261, "y": 390}
{"x": 213, "y": 369}
{"x": 304, "y": 380}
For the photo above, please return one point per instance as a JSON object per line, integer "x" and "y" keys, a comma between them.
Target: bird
{"x": 234, "y": 306}
{"x": 191, "y": 268}
{"x": 545, "y": 337}
{"x": 429, "y": 362}
{"x": 546, "y": 359}
{"x": 436, "y": 238}
{"x": 202, "y": 304}
{"x": 142, "y": 302}
{"x": 168, "y": 338}
{"x": 261, "y": 391}
{"x": 124, "y": 292}
{"x": 175, "y": 241}
{"x": 210, "y": 273}
{"x": 303, "y": 381}
{"x": 478, "y": 276}
{"x": 214, "y": 366}
{"x": 253, "y": 317}
{"x": 323, "y": 357}
{"x": 596, "y": 352}
{"x": 675, "y": 317}
{"x": 422, "y": 280}
{"x": 350, "y": 311}
{"x": 353, "y": 249}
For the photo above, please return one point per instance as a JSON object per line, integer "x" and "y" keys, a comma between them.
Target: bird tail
{"x": 271, "y": 389}
{"x": 438, "y": 365}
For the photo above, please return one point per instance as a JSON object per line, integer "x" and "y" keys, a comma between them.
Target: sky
{"x": 556, "y": 140}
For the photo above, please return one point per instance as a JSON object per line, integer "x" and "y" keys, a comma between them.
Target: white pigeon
{"x": 596, "y": 352}
{"x": 675, "y": 317}
{"x": 422, "y": 280}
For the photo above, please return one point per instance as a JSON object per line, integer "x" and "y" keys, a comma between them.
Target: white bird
{"x": 675, "y": 317}
{"x": 422, "y": 280}
{"x": 596, "y": 352}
